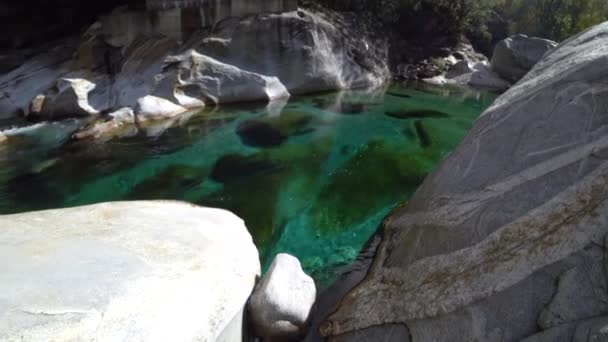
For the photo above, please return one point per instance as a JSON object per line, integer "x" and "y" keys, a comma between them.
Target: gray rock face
{"x": 70, "y": 98}
{"x": 516, "y": 55}
{"x": 132, "y": 271}
{"x": 282, "y": 301}
{"x": 307, "y": 51}
{"x": 508, "y": 221}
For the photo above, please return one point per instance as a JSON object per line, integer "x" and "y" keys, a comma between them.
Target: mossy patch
{"x": 379, "y": 174}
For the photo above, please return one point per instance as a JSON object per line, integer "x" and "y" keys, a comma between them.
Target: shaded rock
{"x": 281, "y": 303}
{"x": 69, "y": 99}
{"x": 259, "y": 134}
{"x": 19, "y": 87}
{"x": 154, "y": 108}
{"x": 391, "y": 333}
{"x": 3, "y": 138}
{"x": 516, "y": 55}
{"x": 499, "y": 221}
{"x": 592, "y": 330}
{"x": 125, "y": 271}
{"x": 195, "y": 76}
{"x": 582, "y": 292}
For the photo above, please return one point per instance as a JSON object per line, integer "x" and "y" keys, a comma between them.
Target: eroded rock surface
{"x": 512, "y": 216}
{"x": 137, "y": 271}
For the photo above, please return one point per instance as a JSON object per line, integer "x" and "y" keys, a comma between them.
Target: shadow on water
{"x": 313, "y": 176}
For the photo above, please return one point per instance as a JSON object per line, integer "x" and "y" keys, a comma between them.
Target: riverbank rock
{"x": 308, "y": 51}
{"x": 20, "y": 86}
{"x": 193, "y": 77}
{"x": 156, "y": 108}
{"x": 3, "y": 138}
{"x": 282, "y": 301}
{"x": 69, "y": 98}
{"x": 516, "y": 55}
{"x": 506, "y": 239}
{"x": 477, "y": 75}
{"x": 131, "y": 271}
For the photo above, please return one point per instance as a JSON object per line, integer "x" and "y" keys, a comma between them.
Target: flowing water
{"x": 313, "y": 177}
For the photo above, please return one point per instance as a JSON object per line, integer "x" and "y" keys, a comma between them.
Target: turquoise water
{"x": 313, "y": 177}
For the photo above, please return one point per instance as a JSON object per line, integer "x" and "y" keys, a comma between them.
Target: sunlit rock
{"x": 143, "y": 271}
{"x": 281, "y": 303}
{"x": 197, "y": 76}
{"x": 152, "y": 108}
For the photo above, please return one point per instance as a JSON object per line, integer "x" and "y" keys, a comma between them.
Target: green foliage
{"x": 554, "y": 19}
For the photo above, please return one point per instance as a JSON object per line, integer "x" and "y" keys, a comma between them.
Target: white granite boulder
{"x": 130, "y": 271}
{"x": 282, "y": 302}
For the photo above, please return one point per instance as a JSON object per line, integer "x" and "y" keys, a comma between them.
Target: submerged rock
{"x": 234, "y": 167}
{"x": 281, "y": 303}
{"x": 417, "y": 114}
{"x": 516, "y": 55}
{"x": 490, "y": 245}
{"x": 256, "y": 133}
{"x": 153, "y": 271}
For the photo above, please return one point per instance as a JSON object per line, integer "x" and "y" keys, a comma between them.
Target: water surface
{"x": 313, "y": 177}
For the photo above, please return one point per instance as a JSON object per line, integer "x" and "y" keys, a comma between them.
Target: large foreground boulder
{"x": 506, "y": 239}
{"x": 516, "y": 55}
{"x": 133, "y": 271}
{"x": 282, "y": 301}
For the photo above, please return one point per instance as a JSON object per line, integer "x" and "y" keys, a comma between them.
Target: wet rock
{"x": 259, "y": 134}
{"x": 516, "y": 55}
{"x": 281, "y": 303}
{"x": 126, "y": 271}
{"x": 417, "y": 114}
{"x": 121, "y": 125}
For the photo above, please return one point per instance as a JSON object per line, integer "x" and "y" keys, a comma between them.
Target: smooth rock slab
{"x": 130, "y": 271}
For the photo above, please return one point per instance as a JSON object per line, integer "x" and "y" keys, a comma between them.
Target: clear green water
{"x": 314, "y": 178}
